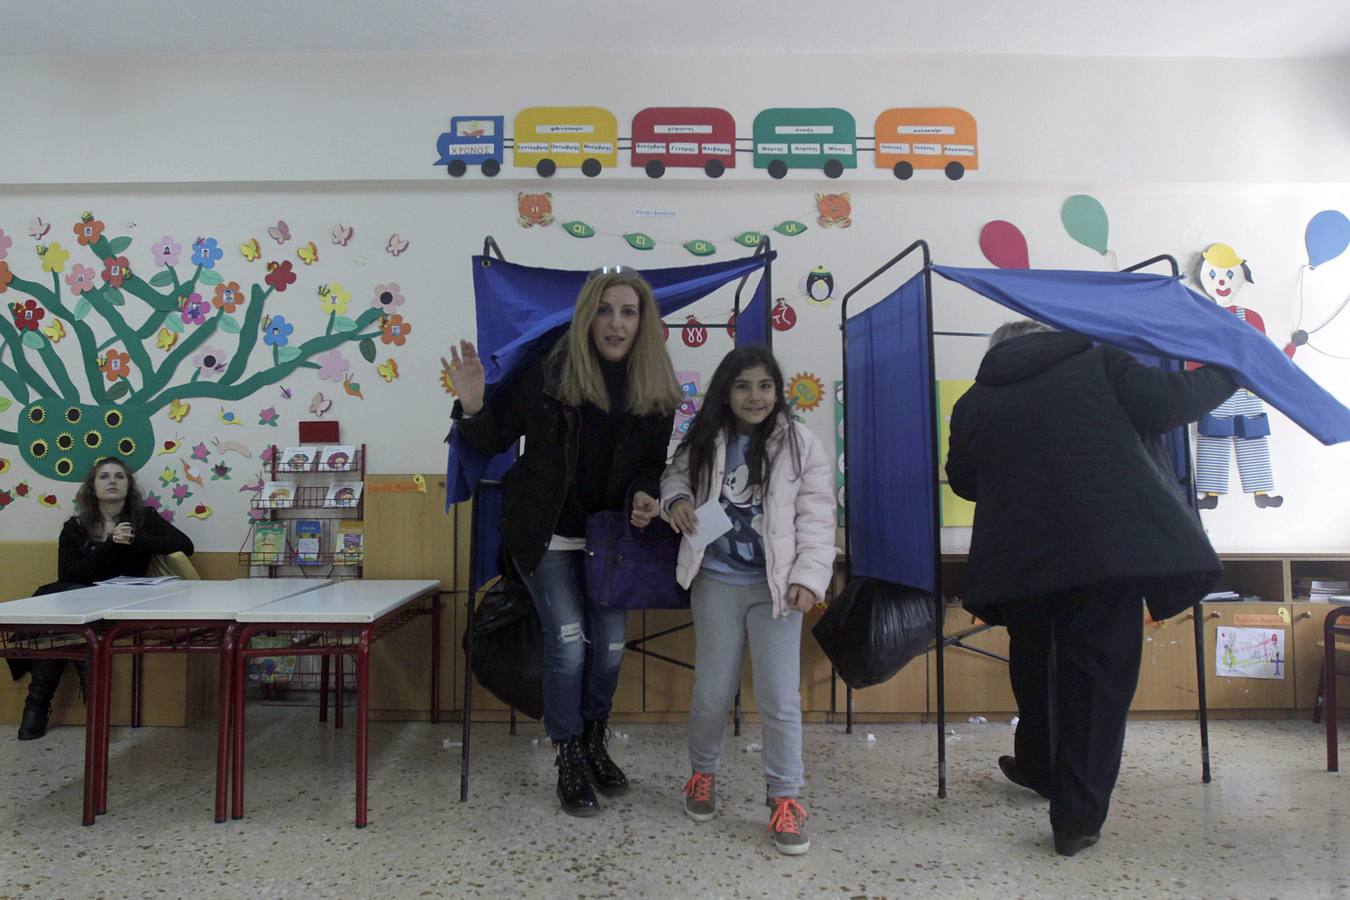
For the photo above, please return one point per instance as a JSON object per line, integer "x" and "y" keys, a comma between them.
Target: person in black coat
{"x": 112, "y": 534}
{"x": 596, "y": 413}
{"x": 1076, "y": 522}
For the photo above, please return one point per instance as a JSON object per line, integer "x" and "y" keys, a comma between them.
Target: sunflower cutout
{"x": 805, "y": 392}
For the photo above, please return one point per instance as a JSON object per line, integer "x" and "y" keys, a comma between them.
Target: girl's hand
{"x": 801, "y": 598}
{"x": 123, "y": 533}
{"x": 465, "y": 371}
{"x": 645, "y": 509}
{"x": 682, "y": 516}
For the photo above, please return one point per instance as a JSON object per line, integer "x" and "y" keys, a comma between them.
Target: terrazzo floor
{"x": 1273, "y": 823}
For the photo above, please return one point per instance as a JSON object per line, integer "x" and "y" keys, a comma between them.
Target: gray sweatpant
{"x": 724, "y": 616}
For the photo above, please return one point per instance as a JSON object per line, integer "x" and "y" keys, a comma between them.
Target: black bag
{"x": 508, "y": 647}
{"x": 873, "y": 628}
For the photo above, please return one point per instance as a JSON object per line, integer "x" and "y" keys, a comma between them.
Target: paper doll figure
{"x": 1239, "y": 426}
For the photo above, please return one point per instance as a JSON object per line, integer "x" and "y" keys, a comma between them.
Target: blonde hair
{"x": 652, "y": 387}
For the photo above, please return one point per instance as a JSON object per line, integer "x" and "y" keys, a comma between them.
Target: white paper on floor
{"x": 753, "y": 747}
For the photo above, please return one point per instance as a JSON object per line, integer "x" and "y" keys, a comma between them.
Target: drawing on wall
{"x": 955, "y": 510}
{"x": 571, "y": 137}
{"x": 1326, "y": 237}
{"x": 835, "y": 210}
{"x": 927, "y": 138}
{"x": 819, "y": 286}
{"x": 691, "y": 391}
{"x": 700, "y": 137}
{"x": 63, "y": 426}
{"x": 1239, "y": 426}
{"x": 534, "y": 209}
{"x": 1003, "y": 244}
{"x": 1249, "y": 652}
{"x": 1085, "y": 220}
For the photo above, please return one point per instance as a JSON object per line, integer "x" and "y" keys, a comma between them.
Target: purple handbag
{"x": 632, "y": 568}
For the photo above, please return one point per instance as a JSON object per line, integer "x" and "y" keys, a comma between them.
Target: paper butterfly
{"x": 178, "y": 410}
{"x": 309, "y": 254}
{"x": 55, "y": 331}
{"x": 281, "y": 232}
{"x": 388, "y": 370}
{"x": 285, "y": 392}
{"x": 341, "y": 235}
{"x": 395, "y": 245}
{"x": 250, "y": 249}
{"x": 319, "y": 405}
{"x": 37, "y": 229}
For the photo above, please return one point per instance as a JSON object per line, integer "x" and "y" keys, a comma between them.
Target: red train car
{"x": 684, "y": 137}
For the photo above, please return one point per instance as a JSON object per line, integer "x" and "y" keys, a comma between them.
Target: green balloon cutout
{"x": 1084, "y": 219}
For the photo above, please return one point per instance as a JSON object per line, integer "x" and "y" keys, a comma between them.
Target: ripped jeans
{"x": 583, "y": 644}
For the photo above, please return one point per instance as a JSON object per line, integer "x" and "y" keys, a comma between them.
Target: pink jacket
{"x": 799, "y": 513}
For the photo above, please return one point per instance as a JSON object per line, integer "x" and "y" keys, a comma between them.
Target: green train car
{"x": 824, "y": 138}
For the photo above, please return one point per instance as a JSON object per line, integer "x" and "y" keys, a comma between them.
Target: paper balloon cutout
{"x": 1084, "y": 219}
{"x": 1004, "y": 246}
{"x": 1327, "y": 236}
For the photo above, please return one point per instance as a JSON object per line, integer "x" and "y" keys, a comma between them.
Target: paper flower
{"x": 180, "y": 493}
{"x": 168, "y": 476}
{"x": 115, "y": 270}
{"x": 332, "y": 365}
{"x": 115, "y": 365}
{"x": 6, "y": 276}
{"x": 5, "y": 243}
{"x": 195, "y": 310}
{"x": 387, "y": 296}
{"x": 27, "y": 316}
{"x": 152, "y": 501}
{"x": 201, "y": 451}
{"x": 166, "y": 252}
{"x": 277, "y": 331}
{"x": 220, "y": 472}
{"x": 333, "y": 298}
{"x": 280, "y": 275}
{"x": 228, "y": 296}
{"x": 88, "y": 230}
{"x": 209, "y": 361}
{"x": 395, "y": 330}
{"x": 80, "y": 279}
{"x": 205, "y": 252}
{"x": 268, "y": 416}
{"x": 53, "y": 257}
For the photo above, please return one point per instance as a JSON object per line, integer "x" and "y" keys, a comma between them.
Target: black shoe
{"x": 1269, "y": 501}
{"x": 1068, "y": 845}
{"x": 1010, "y": 771}
{"x": 608, "y": 777}
{"x": 574, "y": 786}
{"x": 34, "y": 722}
{"x": 1207, "y": 501}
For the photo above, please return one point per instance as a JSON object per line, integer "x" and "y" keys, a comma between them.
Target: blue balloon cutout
{"x": 1327, "y": 236}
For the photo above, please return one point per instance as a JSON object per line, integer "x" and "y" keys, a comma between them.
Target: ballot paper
{"x": 139, "y": 579}
{"x": 712, "y": 524}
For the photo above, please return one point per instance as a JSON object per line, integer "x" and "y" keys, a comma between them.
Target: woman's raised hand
{"x": 123, "y": 533}
{"x": 465, "y": 371}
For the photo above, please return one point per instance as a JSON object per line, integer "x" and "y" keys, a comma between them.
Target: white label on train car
{"x": 839, "y": 149}
{"x": 565, "y": 129}
{"x": 685, "y": 147}
{"x": 928, "y": 149}
{"x": 803, "y": 129}
{"x": 925, "y": 129}
{"x": 805, "y": 149}
{"x": 894, "y": 148}
{"x": 606, "y": 147}
{"x": 772, "y": 148}
{"x": 651, "y": 147}
{"x": 566, "y": 147}
{"x": 718, "y": 149}
{"x": 959, "y": 149}
{"x": 532, "y": 147}
{"x": 681, "y": 129}
{"x": 467, "y": 149}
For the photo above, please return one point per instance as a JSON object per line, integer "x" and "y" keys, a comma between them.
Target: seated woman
{"x": 111, "y": 534}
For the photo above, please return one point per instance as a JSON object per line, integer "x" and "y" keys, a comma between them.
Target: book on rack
{"x": 298, "y": 459}
{"x": 269, "y": 544}
{"x": 343, "y": 495}
{"x": 337, "y": 458}
{"x": 308, "y": 541}
{"x": 277, "y": 494}
{"x": 351, "y": 542}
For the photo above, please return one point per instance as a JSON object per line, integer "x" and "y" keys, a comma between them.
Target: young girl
{"x": 753, "y": 582}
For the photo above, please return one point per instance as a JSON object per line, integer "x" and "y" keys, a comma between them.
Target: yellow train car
{"x": 927, "y": 138}
{"x": 569, "y": 137}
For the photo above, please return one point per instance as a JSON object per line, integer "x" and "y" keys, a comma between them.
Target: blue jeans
{"x": 583, "y": 644}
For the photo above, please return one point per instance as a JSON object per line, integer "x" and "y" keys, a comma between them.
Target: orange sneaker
{"x": 699, "y": 802}
{"x": 787, "y": 826}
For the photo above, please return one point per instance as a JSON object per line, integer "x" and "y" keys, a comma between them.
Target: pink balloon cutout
{"x": 1004, "y": 246}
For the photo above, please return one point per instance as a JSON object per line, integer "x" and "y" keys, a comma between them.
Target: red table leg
{"x": 240, "y": 667}
{"x": 91, "y": 730}
{"x": 225, "y": 713}
{"x": 338, "y": 685}
{"x": 137, "y": 683}
{"x": 323, "y": 687}
{"x": 362, "y": 723}
{"x": 104, "y": 717}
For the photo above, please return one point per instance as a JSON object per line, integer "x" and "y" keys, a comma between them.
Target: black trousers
{"x": 1074, "y": 664}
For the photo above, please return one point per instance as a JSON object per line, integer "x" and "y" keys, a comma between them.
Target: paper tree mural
{"x": 64, "y": 427}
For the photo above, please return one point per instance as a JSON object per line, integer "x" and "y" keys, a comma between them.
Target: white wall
{"x": 1181, "y": 153}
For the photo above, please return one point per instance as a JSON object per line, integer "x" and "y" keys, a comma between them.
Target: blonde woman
{"x": 596, "y": 413}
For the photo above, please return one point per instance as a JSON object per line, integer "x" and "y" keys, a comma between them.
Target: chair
{"x": 1335, "y": 638}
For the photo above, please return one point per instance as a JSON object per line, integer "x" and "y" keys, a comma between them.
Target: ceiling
{"x": 1128, "y": 28}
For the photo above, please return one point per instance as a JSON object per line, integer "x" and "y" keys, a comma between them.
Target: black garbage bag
{"x": 873, "y": 628}
{"x": 508, "y": 648}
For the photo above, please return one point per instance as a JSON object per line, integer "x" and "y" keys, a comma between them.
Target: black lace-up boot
{"x": 574, "y": 787}
{"x": 37, "y": 709}
{"x": 608, "y": 777}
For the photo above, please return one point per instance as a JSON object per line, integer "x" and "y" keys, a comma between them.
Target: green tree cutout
{"x": 64, "y": 428}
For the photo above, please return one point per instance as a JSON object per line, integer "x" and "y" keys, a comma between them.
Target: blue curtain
{"x": 752, "y": 325}
{"x": 1157, "y": 314}
{"x": 891, "y": 415}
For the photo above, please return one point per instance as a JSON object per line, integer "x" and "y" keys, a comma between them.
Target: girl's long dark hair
{"x": 715, "y": 417}
{"x": 86, "y": 501}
